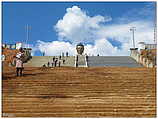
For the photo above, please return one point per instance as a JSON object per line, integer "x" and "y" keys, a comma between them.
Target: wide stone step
{"x": 81, "y": 92}
{"x": 118, "y": 61}
{"x": 39, "y": 61}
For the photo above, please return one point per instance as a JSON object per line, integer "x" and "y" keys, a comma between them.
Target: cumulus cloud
{"x": 99, "y": 38}
{"x": 76, "y": 26}
{"x": 144, "y": 32}
{"x": 55, "y": 47}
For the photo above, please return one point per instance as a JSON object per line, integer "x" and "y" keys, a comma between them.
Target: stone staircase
{"x": 69, "y": 61}
{"x": 39, "y": 61}
{"x": 80, "y": 92}
{"x": 92, "y": 61}
{"x": 112, "y": 61}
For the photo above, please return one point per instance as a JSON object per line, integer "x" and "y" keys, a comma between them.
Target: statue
{"x": 80, "y": 48}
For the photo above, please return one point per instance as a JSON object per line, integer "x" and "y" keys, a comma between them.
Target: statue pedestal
{"x": 80, "y": 61}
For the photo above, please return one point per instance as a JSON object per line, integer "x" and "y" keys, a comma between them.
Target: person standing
{"x": 52, "y": 63}
{"x": 59, "y": 63}
{"x": 67, "y": 54}
{"x": 19, "y": 67}
{"x": 48, "y": 64}
{"x": 55, "y": 63}
{"x": 53, "y": 59}
{"x": 60, "y": 57}
{"x": 19, "y": 62}
{"x": 43, "y": 54}
{"x": 62, "y": 54}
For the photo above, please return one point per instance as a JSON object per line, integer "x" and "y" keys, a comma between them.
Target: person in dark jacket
{"x": 48, "y": 64}
{"x": 55, "y": 62}
{"x": 59, "y": 63}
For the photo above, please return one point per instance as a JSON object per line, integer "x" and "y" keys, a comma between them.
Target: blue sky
{"x": 44, "y": 16}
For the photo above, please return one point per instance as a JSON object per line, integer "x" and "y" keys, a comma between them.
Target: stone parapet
{"x": 140, "y": 59}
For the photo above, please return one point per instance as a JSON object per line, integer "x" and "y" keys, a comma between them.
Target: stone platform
{"x": 92, "y": 61}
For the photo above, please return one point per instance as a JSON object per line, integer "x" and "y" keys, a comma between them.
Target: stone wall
{"x": 142, "y": 60}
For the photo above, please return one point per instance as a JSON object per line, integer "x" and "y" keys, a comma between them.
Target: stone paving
{"x": 79, "y": 92}
{"x": 115, "y": 61}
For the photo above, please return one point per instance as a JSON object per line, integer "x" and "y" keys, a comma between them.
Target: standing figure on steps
{"x": 67, "y": 54}
{"x": 52, "y": 63}
{"x": 60, "y": 57}
{"x": 53, "y": 59}
{"x": 55, "y": 62}
{"x": 48, "y": 64}
{"x": 19, "y": 62}
{"x": 59, "y": 63}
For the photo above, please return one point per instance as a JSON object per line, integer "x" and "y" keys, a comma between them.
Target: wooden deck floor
{"x": 80, "y": 92}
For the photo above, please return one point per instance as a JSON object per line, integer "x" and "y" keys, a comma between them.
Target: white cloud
{"x": 101, "y": 47}
{"x": 76, "y": 26}
{"x": 55, "y": 47}
{"x": 144, "y": 32}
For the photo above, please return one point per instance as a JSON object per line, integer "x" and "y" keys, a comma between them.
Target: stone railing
{"x": 142, "y": 60}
